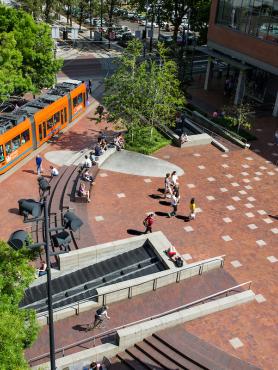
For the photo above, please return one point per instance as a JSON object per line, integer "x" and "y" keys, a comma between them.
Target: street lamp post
{"x": 158, "y": 16}
{"x": 151, "y": 36}
{"x": 101, "y": 16}
{"x": 146, "y": 26}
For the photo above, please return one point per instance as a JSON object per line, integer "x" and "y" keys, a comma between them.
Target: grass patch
{"x": 143, "y": 142}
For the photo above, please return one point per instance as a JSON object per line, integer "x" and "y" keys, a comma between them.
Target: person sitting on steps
{"x": 83, "y": 192}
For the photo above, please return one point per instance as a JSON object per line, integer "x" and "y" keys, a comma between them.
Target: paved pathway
{"x": 236, "y": 195}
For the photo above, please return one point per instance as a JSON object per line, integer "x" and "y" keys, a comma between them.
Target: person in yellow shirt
{"x": 192, "y": 207}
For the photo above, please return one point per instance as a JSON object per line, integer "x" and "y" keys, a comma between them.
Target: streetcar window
{"x": 25, "y": 136}
{"x": 40, "y": 132}
{"x": 75, "y": 102}
{"x": 65, "y": 114}
{"x": 8, "y": 148}
{"x": 44, "y": 129}
{"x": 50, "y": 123}
{"x": 16, "y": 143}
{"x": 2, "y": 157}
{"x": 57, "y": 117}
{"x": 80, "y": 99}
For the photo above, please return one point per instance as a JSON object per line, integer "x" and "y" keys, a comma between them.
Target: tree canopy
{"x": 27, "y": 60}
{"x": 143, "y": 90}
{"x": 18, "y": 327}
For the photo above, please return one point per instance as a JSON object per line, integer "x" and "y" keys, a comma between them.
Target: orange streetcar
{"x": 26, "y": 128}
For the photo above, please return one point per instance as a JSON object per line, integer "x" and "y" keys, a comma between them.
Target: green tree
{"x": 141, "y": 91}
{"x": 18, "y": 327}
{"x": 27, "y": 52}
{"x": 199, "y": 19}
{"x": 241, "y": 116}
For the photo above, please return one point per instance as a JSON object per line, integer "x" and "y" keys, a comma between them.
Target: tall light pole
{"x": 101, "y": 16}
{"x": 146, "y": 26}
{"x": 158, "y": 16}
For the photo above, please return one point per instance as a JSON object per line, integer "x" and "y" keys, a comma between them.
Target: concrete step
{"x": 179, "y": 360}
{"x": 158, "y": 356}
{"x": 131, "y": 362}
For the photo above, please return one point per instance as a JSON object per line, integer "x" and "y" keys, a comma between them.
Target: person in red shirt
{"x": 148, "y": 222}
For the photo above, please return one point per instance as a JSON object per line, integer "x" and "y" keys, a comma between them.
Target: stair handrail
{"x": 76, "y": 305}
{"x": 114, "y": 330}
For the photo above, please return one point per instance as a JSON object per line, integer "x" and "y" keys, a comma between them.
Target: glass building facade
{"x": 258, "y": 18}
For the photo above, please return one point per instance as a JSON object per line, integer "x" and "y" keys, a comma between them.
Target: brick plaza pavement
{"x": 237, "y": 198}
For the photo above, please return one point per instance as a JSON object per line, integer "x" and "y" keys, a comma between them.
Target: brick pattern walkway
{"x": 236, "y": 195}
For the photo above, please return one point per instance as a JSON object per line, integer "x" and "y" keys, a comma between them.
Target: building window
{"x": 258, "y": 18}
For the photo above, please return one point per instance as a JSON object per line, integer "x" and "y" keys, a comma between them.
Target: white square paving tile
{"x": 249, "y": 158}
{"x": 236, "y": 199}
{"x": 248, "y": 187}
{"x": 227, "y": 220}
{"x": 99, "y": 218}
{"x": 201, "y": 167}
{"x": 267, "y": 162}
{"x": 210, "y": 179}
{"x": 229, "y": 176}
{"x": 103, "y": 174}
{"x": 236, "y": 263}
{"x": 272, "y": 259}
{"x": 258, "y": 173}
{"x": 191, "y": 186}
{"x": 210, "y": 197}
{"x": 249, "y": 214}
{"x": 231, "y": 208}
{"x": 275, "y": 154}
{"x": 257, "y": 178}
{"x": 262, "y": 212}
{"x": 251, "y": 199}
{"x": 198, "y": 210}
{"x": 187, "y": 256}
{"x": 244, "y": 173}
{"x": 271, "y": 173}
{"x": 268, "y": 220}
{"x": 197, "y": 155}
{"x": 270, "y": 144}
{"x": 224, "y": 155}
{"x": 262, "y": 168}
{"x": 246, "y": 180}
{"x": 261, "y": 243}
{"x": 236, "y": 343}
{"x": 147, "y": 180}
{"x": 188, "y": 229}
{"x": 227, "y": 238}
{"x": 121, "y": 195}
{"x": 235, "y": 184}
{"x": 242, "y": 192}
{"x": 224, "y": 165}
{"x": 275, "y": 230}
{"x": 260, "y": 298}
{"x": 249, "y": 205}
{"x": 245, "y": 166}
{"x": 252, "y": 226}
{"x": 257, "y": 150}
{"x": 223, "y": 190}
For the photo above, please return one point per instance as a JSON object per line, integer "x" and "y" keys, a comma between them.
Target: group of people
{"x": 171, "y": 190}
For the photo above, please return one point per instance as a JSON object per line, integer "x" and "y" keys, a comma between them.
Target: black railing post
{"x": 49, "y": 287}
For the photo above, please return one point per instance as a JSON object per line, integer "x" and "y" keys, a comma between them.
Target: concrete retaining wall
{"x": 127, "y": 337}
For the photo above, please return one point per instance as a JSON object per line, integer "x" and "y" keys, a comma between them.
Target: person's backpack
{"x": 100, "y": 311}
{"x": 179, "y": 262}
{"x": 145, "y": 222}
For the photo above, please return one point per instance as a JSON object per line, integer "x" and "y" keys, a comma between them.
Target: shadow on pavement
{"x": 15, "y": 211}
{"x": 162, "y": 214}
{"x": 134, "y": 232}
{"x": 164, "y": 203}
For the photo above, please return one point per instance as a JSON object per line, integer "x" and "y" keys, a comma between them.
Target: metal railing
{"x": 76, "y": 306}
{"x": 225, "y": 292}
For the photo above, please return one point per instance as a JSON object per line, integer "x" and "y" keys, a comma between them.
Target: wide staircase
{"x": 175, "y": 349}
{"x": 83, "y": 284}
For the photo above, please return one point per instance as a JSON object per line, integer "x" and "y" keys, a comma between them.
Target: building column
{"x": 275, "y": 109}
{"x": 240, "y": 87}
{"x": 207, "y": 73}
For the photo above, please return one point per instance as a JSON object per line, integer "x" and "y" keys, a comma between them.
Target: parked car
{"x": 126, "y": 37}
{"x": 167, "y": 39}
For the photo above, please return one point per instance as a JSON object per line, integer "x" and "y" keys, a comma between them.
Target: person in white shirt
{"x": 174, "y": 178}
{"x": 87, "y": 163}
{"x": 175, "y": 199}
{"x": 54, "y": 171}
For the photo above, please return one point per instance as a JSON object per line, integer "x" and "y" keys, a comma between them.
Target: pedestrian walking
{"x": 175, "y": 199}
{"x": 148, "y": 222}
{"x": 167, "y": 185}
{"x": 100, "y": 111}
{"x": 100, "y": 316}
{"x": 174, "y": 178}
{"x": 90, "y": 86}
{"x": 192, "y": 207}
{"x": 39, "y": 164}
